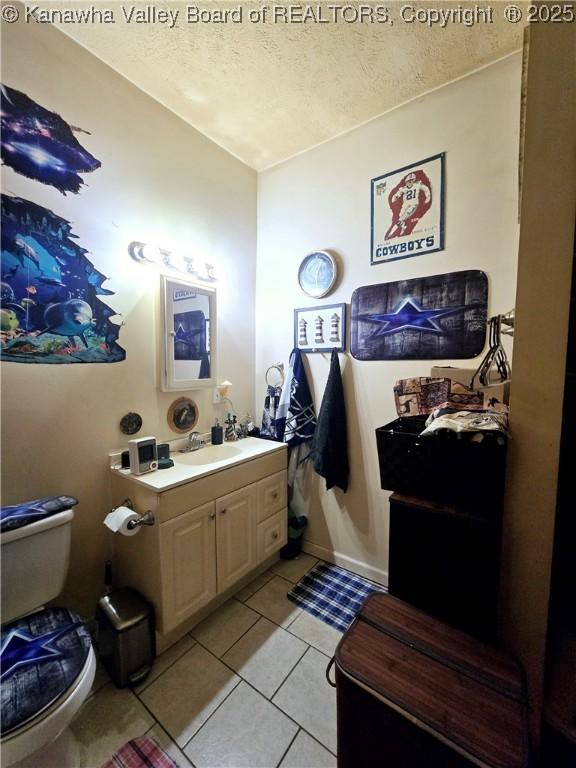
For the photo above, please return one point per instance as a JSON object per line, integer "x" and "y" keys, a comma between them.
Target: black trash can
{"x": 126, "y": 639}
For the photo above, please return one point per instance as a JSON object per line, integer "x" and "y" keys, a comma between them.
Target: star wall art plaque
{"x": 428, "y": 318}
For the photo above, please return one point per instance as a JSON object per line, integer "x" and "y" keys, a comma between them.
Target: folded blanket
{"x": 467, "y": 421}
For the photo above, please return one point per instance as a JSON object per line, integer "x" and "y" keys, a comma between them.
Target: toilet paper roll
{"x": 118, "y": 521}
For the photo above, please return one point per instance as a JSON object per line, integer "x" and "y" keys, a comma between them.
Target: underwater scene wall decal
{"x": 428, "y": 318}
{"x": 40, "y": 145}
{"x": 50, "y": 311}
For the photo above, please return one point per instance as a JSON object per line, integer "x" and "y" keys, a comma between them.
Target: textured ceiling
{"x": 266, "y": 91}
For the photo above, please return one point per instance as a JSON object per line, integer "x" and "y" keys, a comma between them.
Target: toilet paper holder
{"x": 146, "y": 519}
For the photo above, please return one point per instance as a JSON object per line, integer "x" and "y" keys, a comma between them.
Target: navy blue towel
{"x": 330, "y": 443}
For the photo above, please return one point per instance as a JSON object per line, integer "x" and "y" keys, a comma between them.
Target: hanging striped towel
{"x": 140, "y": 753}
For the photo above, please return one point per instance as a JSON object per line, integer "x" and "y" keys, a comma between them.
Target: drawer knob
{"x": 275, "y": 495}
{"x": 212, "y": 515}
{"x": 275, "y": 535}
{"x": 223, "y": 511}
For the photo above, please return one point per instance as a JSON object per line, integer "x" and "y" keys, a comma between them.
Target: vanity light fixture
{"x": 149, "y": 254}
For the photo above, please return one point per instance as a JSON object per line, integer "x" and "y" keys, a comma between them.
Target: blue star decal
{"x": 186, "y": 336}
{"x": 21, "y": 648}
{"x": 410, "y": 315}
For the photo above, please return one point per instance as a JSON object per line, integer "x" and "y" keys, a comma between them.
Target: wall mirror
{"x": 189, "y": 335}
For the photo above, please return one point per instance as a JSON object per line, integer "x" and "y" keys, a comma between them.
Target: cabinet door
{"x": 236, "y": 535}
{"x": 188, "y": 557}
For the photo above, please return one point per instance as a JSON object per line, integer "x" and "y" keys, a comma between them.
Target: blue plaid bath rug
{"x": 332, "y": 594}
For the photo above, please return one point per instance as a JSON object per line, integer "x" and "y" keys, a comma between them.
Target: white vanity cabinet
{"x": 209, "y": 534}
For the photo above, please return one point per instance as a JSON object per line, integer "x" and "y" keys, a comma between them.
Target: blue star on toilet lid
{"x": 41, "y": 655}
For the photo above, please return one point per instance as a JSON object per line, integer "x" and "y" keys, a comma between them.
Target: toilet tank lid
{"x": 20, "y": 515}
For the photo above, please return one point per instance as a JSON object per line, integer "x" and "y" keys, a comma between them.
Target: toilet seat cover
{"x": 41, "y": 656}
{"x": 19, "y": 515}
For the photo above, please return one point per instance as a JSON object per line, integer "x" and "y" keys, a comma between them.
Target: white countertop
{"x": 205, "y": 461}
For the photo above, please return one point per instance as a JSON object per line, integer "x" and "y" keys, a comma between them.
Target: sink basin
{"x": 209, "y": 455}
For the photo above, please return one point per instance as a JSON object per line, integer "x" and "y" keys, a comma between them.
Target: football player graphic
{"x": 408, "y": 202}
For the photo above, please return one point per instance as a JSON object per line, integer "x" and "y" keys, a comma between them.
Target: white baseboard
{"x": 368, "y": 571}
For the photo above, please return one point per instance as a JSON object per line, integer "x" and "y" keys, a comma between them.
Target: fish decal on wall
{"x": 428, "y": 318}
{"x": 40, "y": 145}
{"x": 51, "y": 310}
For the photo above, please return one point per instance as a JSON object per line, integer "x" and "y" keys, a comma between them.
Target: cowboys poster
{"x": 408, "y": 211}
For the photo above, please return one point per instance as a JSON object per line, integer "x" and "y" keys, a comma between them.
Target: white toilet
{"x": 48, "y": 662}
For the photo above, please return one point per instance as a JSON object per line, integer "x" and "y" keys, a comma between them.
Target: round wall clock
{"x": 317, "y": 274}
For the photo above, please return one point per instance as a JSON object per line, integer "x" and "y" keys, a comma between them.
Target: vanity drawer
{"x": 272, "y": 534}
{"x": 272, "y": 495}
{"x": 179, "y": 500}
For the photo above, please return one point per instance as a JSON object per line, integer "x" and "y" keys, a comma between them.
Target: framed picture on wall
{"x": 320, "y": 329}
{"x": 441, "y": 317}
{"x": 407, "y": 211}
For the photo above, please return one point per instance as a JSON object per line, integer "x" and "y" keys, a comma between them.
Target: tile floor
{"x": 245, "y": 689}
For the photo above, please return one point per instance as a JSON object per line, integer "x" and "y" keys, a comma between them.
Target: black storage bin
{"x": 447, "y": 466}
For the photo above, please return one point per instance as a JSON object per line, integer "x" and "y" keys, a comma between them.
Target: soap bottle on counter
{"x": 217, "y": 433}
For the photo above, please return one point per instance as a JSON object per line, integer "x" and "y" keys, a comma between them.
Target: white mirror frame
{"x": 168, "y": 381}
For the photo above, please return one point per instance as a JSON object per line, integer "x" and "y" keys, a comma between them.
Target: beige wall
{"x": 320, "y": 200}
{"x": 160, "y": 181}
{"x": 542, "y": 312}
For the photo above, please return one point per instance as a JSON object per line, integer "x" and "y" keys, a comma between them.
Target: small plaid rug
{"x": 140, "y": 753}
{"x": 332, "y": 594}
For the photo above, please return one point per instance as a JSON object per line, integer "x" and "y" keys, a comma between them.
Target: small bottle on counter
{"x": 217, "y": 434}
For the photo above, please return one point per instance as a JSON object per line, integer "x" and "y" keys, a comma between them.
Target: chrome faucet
{"x": 194, "y": 443}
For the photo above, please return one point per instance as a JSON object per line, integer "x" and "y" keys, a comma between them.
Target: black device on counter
{"x": 217, "y": 434}
{"x": 164, "y": 460}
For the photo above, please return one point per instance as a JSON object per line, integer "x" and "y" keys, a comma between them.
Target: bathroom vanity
{"x": 220, "y": 513}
